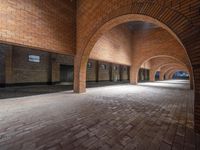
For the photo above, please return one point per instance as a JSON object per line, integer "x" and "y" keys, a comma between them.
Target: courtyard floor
{"x": 150, "y": 116}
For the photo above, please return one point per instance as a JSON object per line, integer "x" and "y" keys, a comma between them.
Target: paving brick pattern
{"x": 120, "y": 117}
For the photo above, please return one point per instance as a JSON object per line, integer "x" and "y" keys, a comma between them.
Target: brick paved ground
{"x": 121, "y": 117}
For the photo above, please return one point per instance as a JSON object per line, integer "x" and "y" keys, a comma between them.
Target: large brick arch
{"x": 82, "y": 57}
{"x": 171, "y": 20}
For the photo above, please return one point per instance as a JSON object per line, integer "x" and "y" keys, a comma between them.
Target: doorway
{"x": 66, "y": 73}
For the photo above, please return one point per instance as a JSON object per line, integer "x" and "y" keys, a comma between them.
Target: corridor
{"x": 150, "y": 116}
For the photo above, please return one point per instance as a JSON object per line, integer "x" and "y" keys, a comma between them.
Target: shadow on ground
{"x": 22, "y": 91}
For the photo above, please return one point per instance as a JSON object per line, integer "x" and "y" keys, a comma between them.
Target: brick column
{"x": 167, "y": 75}
{"x": 171, "y": 75}
{"x": 152, "y": 75}
{"x": 161, "y": 77}
{"x": 191, "y": 78}
{"x": 80, "y": 74}
{"x": 133, "y": 75}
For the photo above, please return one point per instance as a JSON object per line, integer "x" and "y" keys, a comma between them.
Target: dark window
{"x": 103, "y": 66}
{"x": 89, "y": 65}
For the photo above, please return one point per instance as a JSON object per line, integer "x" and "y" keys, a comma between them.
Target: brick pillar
{"x": 161, "y": 77}
{"x": 191, "y": 78}
{"x": 80, "y": 74}
{"x": 152, "y": 75}
{"x": 133, "y": 75}
{"x": 167, "y": 75}
{"x": 171, "y": 76}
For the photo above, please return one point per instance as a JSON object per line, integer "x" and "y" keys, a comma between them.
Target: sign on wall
{"x": 34, "y": 58}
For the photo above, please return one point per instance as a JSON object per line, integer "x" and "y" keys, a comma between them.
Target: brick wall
{"x": 24, "y": 71}
{"x": 46, "y": 24}
{"x": 15, "y": 67}
{"x": 111, "y": 73}
{"x": 91, "y": 72}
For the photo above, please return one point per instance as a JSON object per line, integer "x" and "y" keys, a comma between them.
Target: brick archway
{"x": 166, "y": 64}
{"x": 176, "y": 67}
{"x": 174, "y": 70}
{"x": 82, "y": 57}
{"x": 169, "y": 67}
{"x": 174, "y": 22}
{"x": 171, "y": 61}
{"x": 163, "y": 60}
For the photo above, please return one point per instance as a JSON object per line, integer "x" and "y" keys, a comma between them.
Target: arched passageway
{"x": 182, "y": 32}
{"x": 120, "y": 43}
{"x": 179, "y": 74}
{"x": 163, "y": 64}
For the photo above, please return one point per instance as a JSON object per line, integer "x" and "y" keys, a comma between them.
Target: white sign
{"x": 34, "y": 58}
